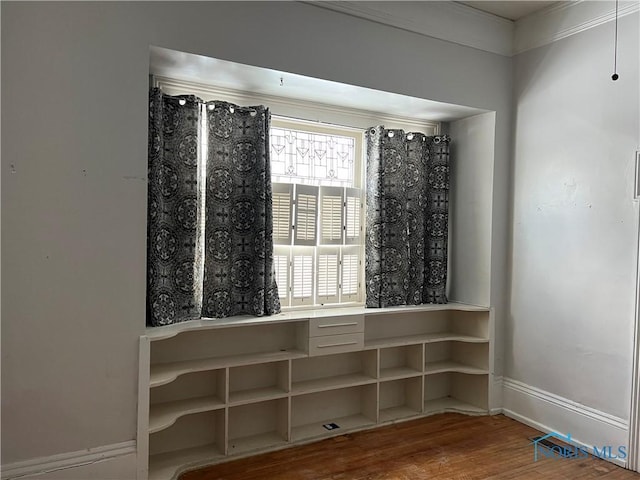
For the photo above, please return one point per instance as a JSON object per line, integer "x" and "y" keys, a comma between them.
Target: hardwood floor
{"x": 441, "y": 447}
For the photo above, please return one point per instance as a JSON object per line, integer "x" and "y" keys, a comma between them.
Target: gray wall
{"x": 575, "y": 223}
{"x": 472, "y": 153}
{"x": 74, "y": 92}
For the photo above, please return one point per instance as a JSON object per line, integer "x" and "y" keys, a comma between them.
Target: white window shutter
{"x": 282, "y": 264}
{"x": 331, "y": 215}
{"x": 327, "y": 272}
{"x": 350, "y": 274}
{"x": 282, "y": 213}
{"x": 353, "y": 216}
{"x": 305, "y": 225}
{"x": 302, "y": 268}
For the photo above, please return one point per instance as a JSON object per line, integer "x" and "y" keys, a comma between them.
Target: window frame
{"x": 317, "y": 248}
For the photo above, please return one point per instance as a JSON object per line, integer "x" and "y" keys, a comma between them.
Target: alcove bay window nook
{"x": 212, "y": 390}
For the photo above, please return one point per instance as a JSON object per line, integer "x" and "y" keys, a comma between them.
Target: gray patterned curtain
{"x": 173, "y": 198}
{"x": 407, "y": 218}
{"x": 239, "y": 274}
{"x": 214, "y": 261}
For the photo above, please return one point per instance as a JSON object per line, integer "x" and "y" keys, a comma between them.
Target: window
{"x": 317, "y": 213}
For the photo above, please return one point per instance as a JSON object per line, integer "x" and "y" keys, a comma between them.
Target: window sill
{"x": 169, "y": 331}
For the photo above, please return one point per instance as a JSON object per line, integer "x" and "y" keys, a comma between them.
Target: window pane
{"x": 317, "y": 212}
{"x": 302, "y": 276}
{"x": 282, "y": 205}
{"x": 312, "y": 158}
{"x": 306, "y": 217}
{"x": 327, "y": 275}
{"x": 353, "y": 217}
{"x": 331, "y": 222}
{"x": 349, "y": 274}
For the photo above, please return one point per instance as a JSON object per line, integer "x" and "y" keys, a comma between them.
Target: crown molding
{"x": 564, "y": 20}
{"x": 458, "y": 23}
{"x": 449, "y": 21}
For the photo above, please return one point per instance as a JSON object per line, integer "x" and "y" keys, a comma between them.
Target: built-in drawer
{"x": 319, "y": 327}
{"x": 328, "y": 344}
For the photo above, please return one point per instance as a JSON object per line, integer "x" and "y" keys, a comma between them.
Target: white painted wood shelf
{"x": 423, "y": 338}
{"x": 332, "y": 383}
{"x": 167, "y": 372}
{"x": 253, "y": 443}
{"x": 393, "y": 414}
{"x": 213, "y": 390}
{"x": 451, "y": 366}
{"x": 449, "y": 404}
{"x": 164, "y": 415}
{"x": 316, "y": 430}
{"x": 166, "y": 465}
{"x": 396, "y": 373}
{"x": 255, "y": 395}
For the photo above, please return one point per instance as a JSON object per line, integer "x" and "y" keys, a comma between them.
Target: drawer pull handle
{"x": 337, "y": 344}
{"x": 331, "y": 325}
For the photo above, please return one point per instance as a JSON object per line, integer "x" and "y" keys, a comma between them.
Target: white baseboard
{"x": 548, "y": 412}
{"x": 108, "y": 462}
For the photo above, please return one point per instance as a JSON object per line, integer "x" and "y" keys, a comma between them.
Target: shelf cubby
{"x": 456, "y": 356}
{"x": 349, "y": 408}
{"x": 253, "y": 383}
{"x": 190, "y": 393}
{"x": 224, "y": 347}
{"x": 314, "y": 374}
{"x": 400, "y": 362}
{"x": 407, "y": 328}
{"x": 163, "y": 373}
{"x": 456, "y": 392}
{"x": 191, "y": 439}
{"x": 400, "y": 399}
{"x": 256, "y": 426}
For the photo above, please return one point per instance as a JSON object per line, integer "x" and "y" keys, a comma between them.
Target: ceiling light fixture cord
{"x": 615, "y": 75}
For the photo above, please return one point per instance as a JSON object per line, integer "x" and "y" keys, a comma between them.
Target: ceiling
{"x": 512, "y": 10}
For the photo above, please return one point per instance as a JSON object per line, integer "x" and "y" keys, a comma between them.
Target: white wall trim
{"x": 63, "y": 461}
{"x": 565, "y": 403}
{"x": 564, "y": 20}
{"x": 634, "y": 414}
{"x": 549, "y": 412}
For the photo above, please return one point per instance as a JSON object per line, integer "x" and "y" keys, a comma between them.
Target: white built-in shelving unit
{"x": 214, "y": 390}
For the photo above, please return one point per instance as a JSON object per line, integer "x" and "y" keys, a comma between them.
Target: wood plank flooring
{"x": 441, "y": 447}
